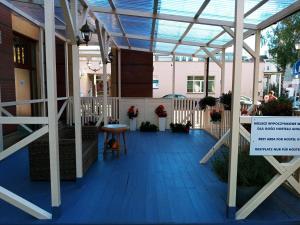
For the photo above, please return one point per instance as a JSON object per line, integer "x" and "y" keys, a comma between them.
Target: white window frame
{"x": 201, "y": 83}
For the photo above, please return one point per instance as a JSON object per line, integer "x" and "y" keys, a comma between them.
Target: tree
{"x": 281, "y": 41}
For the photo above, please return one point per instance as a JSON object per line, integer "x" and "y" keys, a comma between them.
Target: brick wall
{"x": 137, "y": 73}
{"x": 7, "y": 78}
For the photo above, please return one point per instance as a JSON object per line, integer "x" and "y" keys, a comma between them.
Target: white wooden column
{"x": 42, "y": 70}
{"x": 67, "y": 81}
{"x": 235, "y": 111}
{"x": 173, "y": 75}
{"x": 105, "y": 93}
{"x": 223, "y": 68}
{"x": 52, "y": 102}
{"x": 1, "y": 127}
{"x": 256, "y": 67}
{"x": 204, "y": 77}
{"x": 76, "y": 93}
{"x": 119, "y": 74}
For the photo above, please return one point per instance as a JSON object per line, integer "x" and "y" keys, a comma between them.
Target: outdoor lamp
{"x": 86, "y": 33}
{"x": 110, "y": 58}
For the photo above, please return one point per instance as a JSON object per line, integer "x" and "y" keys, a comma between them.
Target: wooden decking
{"x": 160, "y": 181}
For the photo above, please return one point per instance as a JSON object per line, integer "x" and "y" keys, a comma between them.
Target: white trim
{"x": 23, "y": 120}
{"x": 4, "y": 111}
{"x": 42, "y": 70}
{"x": 255, "y": 93}
{"x": 223, "y": 69}
{"x": 212, "y": 57}
{"x": 68, "y": 18}
{"x": 173, "y": 75}
{"x": 23, "y": 204}
{"x": 119, "y": 74}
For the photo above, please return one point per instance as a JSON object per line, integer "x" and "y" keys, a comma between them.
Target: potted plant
{"x": 207, "y": 101}
{"x": 280, "y": 107}
{"x": 132, "y": 114}
{"x": 181, "y": 128}
{"x": 215, "y": 116}
{"x": 225, "y": 99}
{"x": 148, "y": 127}
{"x": 162, "y": 114}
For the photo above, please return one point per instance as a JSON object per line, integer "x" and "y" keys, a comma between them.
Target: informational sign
{"x": 155, "y": 84}
{"x": 278, "y": 135}
{"x": 296, "y": 68}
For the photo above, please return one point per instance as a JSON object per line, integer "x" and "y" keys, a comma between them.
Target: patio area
{"x": 158, "y": 182}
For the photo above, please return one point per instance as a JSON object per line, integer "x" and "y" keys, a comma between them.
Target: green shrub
{"x": 280, "y": 107}
{"x": 207, "y": 101}
{"x": 148, "y": 127}
{"x": 252, "y": 170}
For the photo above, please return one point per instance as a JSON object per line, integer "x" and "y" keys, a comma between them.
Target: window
{"x": 195, "y": 84}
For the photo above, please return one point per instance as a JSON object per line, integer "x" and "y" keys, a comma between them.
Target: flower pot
{"x": 132, "y": 124}
{"x": 162, "y": 123}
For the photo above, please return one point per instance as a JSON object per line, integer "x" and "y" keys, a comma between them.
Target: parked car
{"x": 177, "y": 96}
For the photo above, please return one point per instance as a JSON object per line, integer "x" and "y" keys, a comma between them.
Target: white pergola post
{"x": 52, "y": 102}
{"x": 204, "y": 77}
{"x": 256, "y": 68}
{"x": 67, "y": 80}
{"x": 76, "y": 93}
{"x": 119, "y": 74}
{"x": 235, "y": 111}
{"x": 173, "y": 75}
{"x": 1, "y": 127}
{"x": 42, "y": 70}
{"x": 223, "y": 71}
{"x": 105, "y": 92}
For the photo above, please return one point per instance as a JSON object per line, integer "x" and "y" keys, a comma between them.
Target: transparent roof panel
{"x": 109, "y": 21}
{"x": 101, "y": 3}
{"x": 170, "y": 29}
{"x": 136, "y": 43}
{"x": 202, "y": 33}
{"x": 186, "y": 49}
{"x": 136, "y": 25}
{"x": 267, "y": 10}
{"x": 224, "y": 9}
{"x": 201, "y": 53}
{"x": 120, "y": 41}
{"x": 223, "y": 39}
{"x": 140, "y": 5}
{"x": 165, "y": 47}
{"x": 180, "y": 7}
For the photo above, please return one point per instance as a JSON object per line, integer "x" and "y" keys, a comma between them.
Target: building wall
{"x": 7, "y": 80}
{"x": 163, "y": 72}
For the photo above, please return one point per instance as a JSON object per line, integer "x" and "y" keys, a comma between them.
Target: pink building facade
{"x": 163, "y": 73}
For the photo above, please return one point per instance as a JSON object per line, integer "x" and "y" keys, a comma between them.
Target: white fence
{"x": 178, "y": 110}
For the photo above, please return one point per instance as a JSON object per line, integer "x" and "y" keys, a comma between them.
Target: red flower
{"x": 132, "y": 113}
{"x": 160, "y": 111}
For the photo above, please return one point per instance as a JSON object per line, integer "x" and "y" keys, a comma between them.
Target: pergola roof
{"x": 184, "y": 27}
{"x": 190, "y": 27}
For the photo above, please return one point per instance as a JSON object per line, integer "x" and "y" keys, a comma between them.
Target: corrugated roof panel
{"x": 180, "y": 7}
{"x": 136, "y": 25}
{"x": 202, "y": 33}
{"x": 170, "y": 29}
{"x": 186, "y": 49}
{"x": 165, "y": 47}
{"x": 109, "y": 21}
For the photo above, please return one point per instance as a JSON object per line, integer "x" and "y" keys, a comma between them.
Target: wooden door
{"x": 22, "y": 82}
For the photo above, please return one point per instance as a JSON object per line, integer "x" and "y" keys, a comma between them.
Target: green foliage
{"x": 281, "y": 41}
{"x": 215, "y": 116}
{"x": 225, "y": 99}
{"x": 280, "y": 107}
{"x": 207, "y": 101}
{"x": 148, "y": 127}
{"x": 181, "y": 128}
{"x": 252, "y": 170}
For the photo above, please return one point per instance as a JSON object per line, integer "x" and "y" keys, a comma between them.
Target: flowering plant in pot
{"x": 132, "y": 114}
{"x": 215, "y": 116}
{"x": 225, "y": 99}
{"x": 207, "y": 101}
{"x": 162, "y": 114}
{"x": 181, "y": 128}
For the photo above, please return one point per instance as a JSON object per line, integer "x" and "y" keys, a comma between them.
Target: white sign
{"x": 276, "y": 135}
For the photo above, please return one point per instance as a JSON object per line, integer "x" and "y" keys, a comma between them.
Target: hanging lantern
{"x": 86, "y": 33}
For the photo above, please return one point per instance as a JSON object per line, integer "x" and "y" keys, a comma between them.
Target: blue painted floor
{"x": 160, "y": 181}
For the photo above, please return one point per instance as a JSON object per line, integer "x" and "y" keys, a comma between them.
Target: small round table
{"x": 114, "y": 129}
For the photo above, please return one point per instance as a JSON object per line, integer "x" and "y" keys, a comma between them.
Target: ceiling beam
{"x": 164, "y": 40}
{"x": 258, "y": 5}
{"x": 153, "y": 23}
{"x": 202, "y": 7}
{"x": 216, "y": 37}
{"x": 177, "y": 18}
{"x": 245, "y": 46}
{"x": 112, "y": 5}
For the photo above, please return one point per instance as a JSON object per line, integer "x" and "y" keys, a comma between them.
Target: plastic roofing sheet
{"x": 161, "y": 46}
{"x": 136, "y": 25}
{"x": 186, "y": 49}
{"x": 179, "y": 7}
{"x": 136, "y": 43}
{"x": 202, "y": 33}
{"x": 170, "y": 29}
{"x": 109, "y": 21}
{"x": 121, "y": 41}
